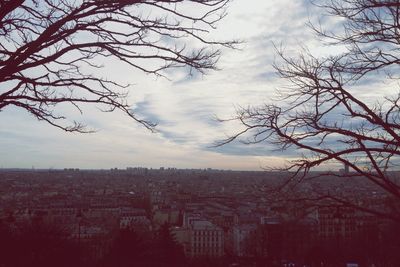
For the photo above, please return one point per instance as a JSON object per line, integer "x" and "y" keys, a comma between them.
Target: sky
{"x": 184, "y": 107}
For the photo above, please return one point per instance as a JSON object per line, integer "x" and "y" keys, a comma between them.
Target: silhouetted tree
{"x": 325, "y": 117}
{"x": 128, "y": 249}
{"x": 166, "y": 250}
{"x": 36, "y": 244}
{"x": 50, "y": 50}
{"x": 7, "y": 244}
{"x": 131, "y": 248}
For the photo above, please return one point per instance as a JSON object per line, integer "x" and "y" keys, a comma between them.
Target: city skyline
{"x": 199, "y": 133}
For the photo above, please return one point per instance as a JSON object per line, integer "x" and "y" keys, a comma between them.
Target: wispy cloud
{"x": 184, "y": 106}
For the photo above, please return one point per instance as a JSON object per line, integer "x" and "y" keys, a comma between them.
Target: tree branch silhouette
{"x": 324, "y": 117}
{"x": 50, "y": 50}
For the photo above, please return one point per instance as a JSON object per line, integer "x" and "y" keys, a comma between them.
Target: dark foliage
{"x": 36, "y": 244}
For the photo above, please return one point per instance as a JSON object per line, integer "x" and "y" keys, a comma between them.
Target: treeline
{"x": 39, "y": 244}
{"x": 296, "y": 244}
{"x": 36, "y": 244}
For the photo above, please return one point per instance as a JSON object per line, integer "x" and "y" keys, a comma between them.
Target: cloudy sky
{"x": 184, "y": 107}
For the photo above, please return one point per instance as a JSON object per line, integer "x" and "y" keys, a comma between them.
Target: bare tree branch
{"x": 50, "y": 49}
{"x": 321, "y": 114}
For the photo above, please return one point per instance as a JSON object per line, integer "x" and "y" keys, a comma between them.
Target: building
{"x": 336, "y": 222}
{"x": 241, "y": 234}
{"x": 206, "y": 239}
{"x": 200, "y": 238}
{"x": 134, "y": 218}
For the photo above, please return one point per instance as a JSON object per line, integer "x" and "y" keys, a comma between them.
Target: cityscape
{"x": 277, "y": 123}
{"x": 197, "y": 217}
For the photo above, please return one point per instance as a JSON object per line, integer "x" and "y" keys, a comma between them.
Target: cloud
{"x": 188, "y": 75}
{"x": 184, "y": 107}
{"x": 144, "y": 111}
{"x": 263, "y": 149}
